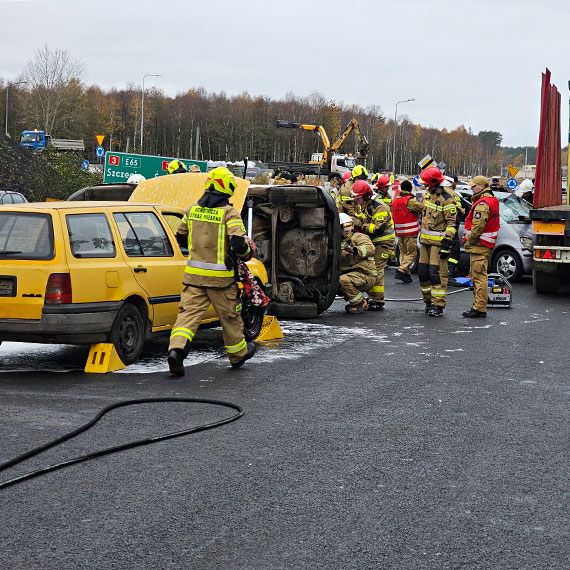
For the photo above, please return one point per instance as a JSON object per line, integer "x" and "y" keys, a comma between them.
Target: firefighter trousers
{"x": 478, "y": 263}
{"x": 408, "y": 247}
{"x": 432, "y": 272}
{"x": 193, "y": 304}
{"x": 381, "y": 256}
{"x": 352, "y": 284}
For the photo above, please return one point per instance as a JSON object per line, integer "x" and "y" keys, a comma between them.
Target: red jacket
{"x": 488, "y": 237}
{"x": 405, "y": 222}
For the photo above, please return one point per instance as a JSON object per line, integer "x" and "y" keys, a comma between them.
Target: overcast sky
{"x": 471, "y": 62}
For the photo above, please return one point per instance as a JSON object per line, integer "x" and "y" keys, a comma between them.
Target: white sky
{"x": 471, "y": 62}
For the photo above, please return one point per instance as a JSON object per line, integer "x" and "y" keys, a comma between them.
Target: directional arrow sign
{"x": 100, "y": 152}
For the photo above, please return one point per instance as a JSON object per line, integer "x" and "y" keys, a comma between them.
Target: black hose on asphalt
{"x": 117, "y": 448}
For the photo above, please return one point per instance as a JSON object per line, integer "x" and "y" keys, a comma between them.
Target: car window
{"x": 143, "y": 235}
{"x": 18, "y": 198}
{"x": 513, "y": 208}
{"x": 173, "y": 220}
{"x": 6, "y": 199}
{"x": 26, "y": 236}
{"x": 90, "y": 235}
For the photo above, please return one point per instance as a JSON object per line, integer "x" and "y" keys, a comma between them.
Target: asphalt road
{"x": 383, "y": 440}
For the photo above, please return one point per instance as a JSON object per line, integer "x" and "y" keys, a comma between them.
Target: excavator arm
{"x": 315, "y": 128}
{"x": 352, "y": 126}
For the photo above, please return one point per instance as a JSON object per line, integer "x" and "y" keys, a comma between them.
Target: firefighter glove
{"x": 182, "y": 240}
{"x": 446, "y": 244}
{"x": 239, "y": 245}
{"x": 443, "y": 253}
{"x": 230, "y": 261}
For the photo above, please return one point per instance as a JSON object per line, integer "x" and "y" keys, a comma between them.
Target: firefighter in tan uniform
{"x": 436, "y": 236}
{"x": 373, "y": 218}
{"x": 480, "y": 236}
{"x": 213, "y": 231}
{"x": 345, "y": 200}
{"x": 381, "y": 183}
{"x": 357, "y": 269}
{"x": 405, "y": 212}
{"x": 455, "y": 251}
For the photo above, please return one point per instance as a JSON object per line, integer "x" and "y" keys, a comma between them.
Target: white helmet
{"x": 136, "y": 179}
{"x": 344, "y": 219}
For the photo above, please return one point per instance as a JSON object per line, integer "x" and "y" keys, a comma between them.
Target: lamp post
{"x": 7, "y": 86}
{"x": 142, "y": 104}
{"x": 395, "y": 125}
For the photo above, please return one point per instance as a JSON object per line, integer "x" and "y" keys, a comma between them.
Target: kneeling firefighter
{"x": 373, "y": 219}
{"x": 357, "y": 269}
{"x": 214, "y": 233}
{"x": 436, "y": 236}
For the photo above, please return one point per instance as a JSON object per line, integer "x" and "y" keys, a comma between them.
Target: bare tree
{"x": 51, "y": 78}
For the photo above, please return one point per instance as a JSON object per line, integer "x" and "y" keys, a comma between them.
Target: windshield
{"x": 511, "y": 207}
{"x": 28, "y": 137}
{"x": 350, "y": 162}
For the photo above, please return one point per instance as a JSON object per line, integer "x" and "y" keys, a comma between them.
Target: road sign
{"x": 85, "y": 165}
{"x": 512, "y": 171}
{"x": 119, "y": 166}
{"x": 100, "y": 139}
{"x": 426, "y": 161}
{"x": 512, "y": 183}
{"x": 100, "y": 152}
{"x": 416, "y": 180}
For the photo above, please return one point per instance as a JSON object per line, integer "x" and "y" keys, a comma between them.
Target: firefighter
{"x": 344, "y": 200}
{"x": 455, "y": 252}
{"x": 381, "y": 183}
{"x": 282, "y": 178}
{"x": 214, "y": 233}
{"x": 405, "y": 211}
{"x": 375, "y": 220}
{"x": 357, "y": 269}
{"x": 436, "y": 236}
{"x": 176, "y": 167}
{"x": 479, "y": 237}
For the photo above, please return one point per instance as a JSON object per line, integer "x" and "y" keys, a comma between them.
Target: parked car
{"x": 512, "y": 255}
{"x": 88, "y": 272}
{"x": 11, "y": 197}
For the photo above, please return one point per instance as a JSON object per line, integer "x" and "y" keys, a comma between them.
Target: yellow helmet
{"x": 359, "y": 172}
{"x": 222, "y": 180}
{"x": 176, "y": 167}
{"x": 375, "y": 178}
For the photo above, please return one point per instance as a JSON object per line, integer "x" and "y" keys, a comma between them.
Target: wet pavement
{"x": 382, "y": 440}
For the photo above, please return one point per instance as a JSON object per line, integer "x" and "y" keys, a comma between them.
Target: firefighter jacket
{"x": 482, "y": 224}
{"x": 210, "y": 262}
{"x": 384, "y": 197}
{"x": 438, "y": 217}
{"x": 361, "y": 261}
{"x": 376, "y": 222}
{"x": 344, "y": 201}
{"x": 405, "y": 211}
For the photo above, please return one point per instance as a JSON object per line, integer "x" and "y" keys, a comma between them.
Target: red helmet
{"x": 432, "y": 176}
{"x": 361, "y": 188}
{"x": 346, "y": 176}
{"x": 383, "y": 182}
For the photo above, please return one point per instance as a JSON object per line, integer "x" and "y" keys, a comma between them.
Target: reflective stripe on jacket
{"x": 488, "y": 237}
{"x": 438, "y": 218}
{"x": 406, "y": 223}
{"x": 376, "y": 222}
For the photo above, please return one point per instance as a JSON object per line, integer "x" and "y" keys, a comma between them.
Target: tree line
{"x": 202, "y": 125}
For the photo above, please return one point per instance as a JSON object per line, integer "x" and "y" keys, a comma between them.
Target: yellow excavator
{"x": 329, "y": 162}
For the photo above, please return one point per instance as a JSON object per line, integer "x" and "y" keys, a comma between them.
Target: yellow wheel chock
{"x": 103, "y": 358}
{"x": 270, "y": 329}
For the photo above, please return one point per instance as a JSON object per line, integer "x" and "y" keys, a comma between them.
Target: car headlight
{"x": 526, "y": 242}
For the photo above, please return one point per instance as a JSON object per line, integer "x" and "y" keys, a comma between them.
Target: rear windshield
{"x": 26, "y": 236}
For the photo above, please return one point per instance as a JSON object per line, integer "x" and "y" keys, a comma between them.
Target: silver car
{"x": 512, "y": 256}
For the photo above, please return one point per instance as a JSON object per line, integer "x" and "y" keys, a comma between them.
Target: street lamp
{"x": 142, "y": 104}
{"x": 7, "y": 86}
{"x": 395, "y": 125}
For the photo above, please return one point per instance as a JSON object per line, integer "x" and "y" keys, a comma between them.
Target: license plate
{"x": 549, "y": 228}
{"x": 6, "y": 287}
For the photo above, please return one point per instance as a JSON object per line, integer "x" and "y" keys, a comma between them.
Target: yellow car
{"x": 87, "y": 272}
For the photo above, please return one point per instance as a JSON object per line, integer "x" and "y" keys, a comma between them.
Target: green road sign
{"x": 120, "y": 165}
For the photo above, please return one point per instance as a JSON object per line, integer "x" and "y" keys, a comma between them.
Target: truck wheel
{"x": 508, "y": 264}
{"x": 252, "y": 318}
{"x": 127, "y": 333}
{"x": 545, "y": 283}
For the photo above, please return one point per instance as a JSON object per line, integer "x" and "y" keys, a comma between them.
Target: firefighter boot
{"x": 357, "y": 308}
{"x": 375, "y": 305}
{"x": 176, "y": 362}
{"x": 251, "y": 348}
{"x": 428, "y": 308}
{"x": 473, "y": 314}
{"x": 435, "y": 311}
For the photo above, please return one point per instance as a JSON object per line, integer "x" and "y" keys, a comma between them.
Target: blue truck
{"x": 36, "y": 141}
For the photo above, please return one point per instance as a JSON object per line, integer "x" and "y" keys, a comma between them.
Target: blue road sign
{"x": 511, "y": 183}
{"x": 416, "y": 180}
{"x": 85, "y": 165}
{"x": 100, "y": 152}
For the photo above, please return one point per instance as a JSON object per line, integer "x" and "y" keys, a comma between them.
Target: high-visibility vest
{"x": 489, "y": 236}
{"x": 405, "y": 222}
